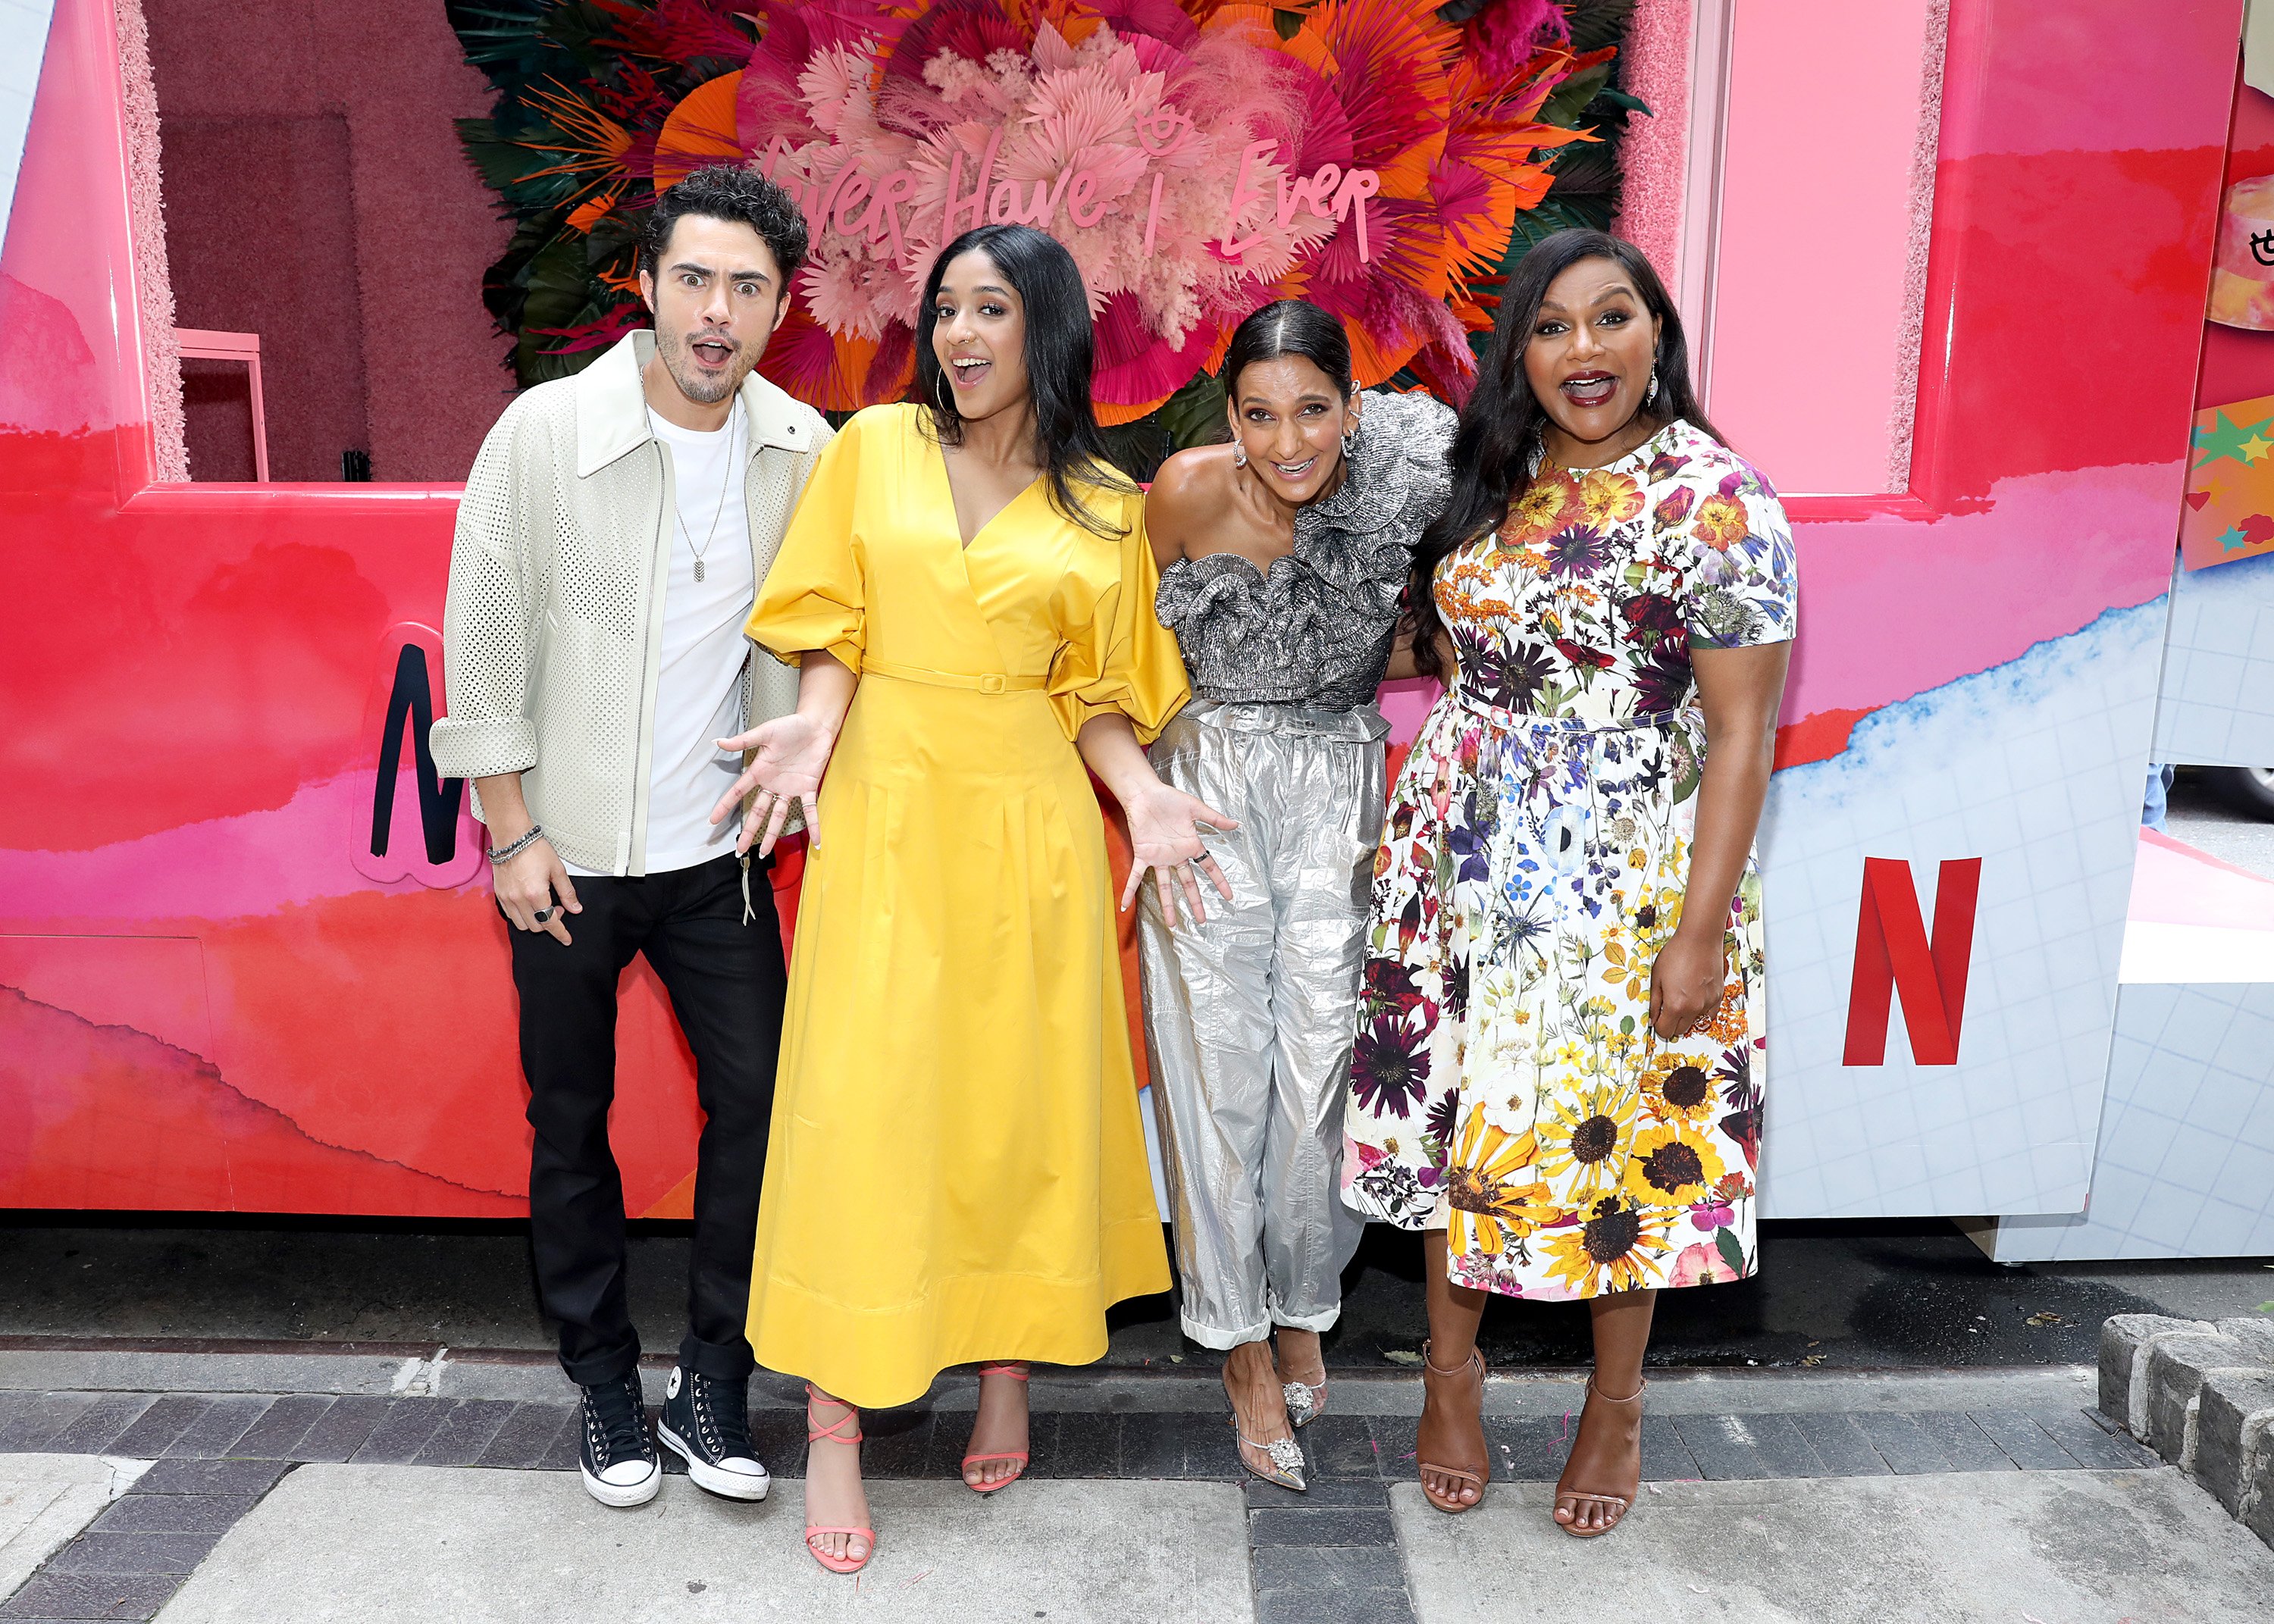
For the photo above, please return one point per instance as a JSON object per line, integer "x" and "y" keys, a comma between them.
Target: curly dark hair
{"x": 728, "y": 192}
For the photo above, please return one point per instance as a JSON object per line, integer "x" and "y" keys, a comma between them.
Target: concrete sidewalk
{"x": 420, "y": 1488}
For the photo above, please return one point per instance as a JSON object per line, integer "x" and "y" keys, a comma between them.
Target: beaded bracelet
{"x": 502, "y": 853}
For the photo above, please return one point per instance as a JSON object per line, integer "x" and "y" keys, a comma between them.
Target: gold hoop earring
{"x": 938, "y": 382}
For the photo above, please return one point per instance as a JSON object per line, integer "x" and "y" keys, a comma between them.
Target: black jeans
{"x": 726, "y": 982}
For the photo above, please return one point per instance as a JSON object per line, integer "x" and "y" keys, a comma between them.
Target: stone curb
{"x": 2200, "y": 1395}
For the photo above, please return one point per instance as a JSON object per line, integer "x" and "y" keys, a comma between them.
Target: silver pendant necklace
{"x": 726, "y": 484}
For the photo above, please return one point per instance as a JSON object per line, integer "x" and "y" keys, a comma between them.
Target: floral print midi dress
{"x": 1507, "y": 1086}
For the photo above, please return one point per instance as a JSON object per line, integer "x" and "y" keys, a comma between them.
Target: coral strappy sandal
{"x": 830, "y": 1433}
{"x": 1016, "y": 1369}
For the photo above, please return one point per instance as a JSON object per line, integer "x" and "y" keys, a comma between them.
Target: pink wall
{"x": 1807, "y": 359}
{"x": 315, "y": 194}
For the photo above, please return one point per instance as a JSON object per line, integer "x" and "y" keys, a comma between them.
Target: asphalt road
{"x": 1852, "y": 1295}
{"x": 2211, "y": 823}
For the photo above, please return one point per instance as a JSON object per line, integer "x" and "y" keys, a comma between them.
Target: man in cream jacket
{"x": 614, "y": 533}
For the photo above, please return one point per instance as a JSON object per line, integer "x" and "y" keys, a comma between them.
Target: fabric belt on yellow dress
{"x": 990, "y": 683}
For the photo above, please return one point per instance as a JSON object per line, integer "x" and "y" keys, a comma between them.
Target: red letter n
{"x": 1893, "y": 954}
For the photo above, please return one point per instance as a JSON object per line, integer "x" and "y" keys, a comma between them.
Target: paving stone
{"x": 1394, "y": 1437}
{"x": 187, "y": 1477}
{"x": 31, "y": 1419}
{"x": 1723, "y": 1446}
{"x": 90, "y": 1596}
{"x": 1332, "y": 1606}
{"x": 1523, "y": 1448}
{"x": 465, "y": 1432}
{"x": 1902, "y": 1443}
{"x": 14, "y": 1400}
{"x": 1299, "y": 1567}
{"x": 283, "y": 1427}
{"x": 2234, "y": 1433}
{"x": 2092, "y": 1443}
{"x": 2026, "y": 1444}
{"x": 778, "y": 1435}
{"x": 2123, "y": 1338}
{"x": 1171, "y": 1445}
{"x": 99, "y": 1427}
{"x": 1326, "y": 1526}
{"x": 2176, "y": 1366}
{"x": 905, "y": 1443}
{"x": 410, "y": 1544}
{"x": 1333, "y": 1492}
{"x": 135, "y": 1553}
{"x": 402, "y": 1430}
{"x": 172, "y": 1514}
{"x": 1783, "y": 1446}
{"x": 1340, "y": 1446}
{"x": 1966, "y": 1446}
{"x": 1972, "y": 1548}
{"x": 341, "y": 1429}
{"x": 1665, "y": 1457}
{"x": 1087, "y": 1444}
{"x": 523, "y": 1441}
{"x": 1840, "y": 1445}
{"x": 228, "y": 1418}
{"x": 157, "y": 1428}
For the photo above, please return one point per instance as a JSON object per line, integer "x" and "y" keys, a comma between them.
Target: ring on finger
{"x": 542, "y": 915}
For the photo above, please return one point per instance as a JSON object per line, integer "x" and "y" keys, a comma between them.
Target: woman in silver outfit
{"x": 1282, "y": 555}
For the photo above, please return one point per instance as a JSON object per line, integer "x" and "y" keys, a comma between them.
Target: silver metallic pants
{"x": 1250, "y": 1017}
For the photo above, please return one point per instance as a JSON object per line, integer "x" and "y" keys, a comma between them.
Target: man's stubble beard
{"x": 697, "y": 388}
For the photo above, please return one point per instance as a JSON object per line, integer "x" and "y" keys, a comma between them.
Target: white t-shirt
{"x": 698, "y": 691}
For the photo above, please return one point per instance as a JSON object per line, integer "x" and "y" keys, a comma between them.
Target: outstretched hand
{"x": 792, "y": 754}
{"x": 1164, "y": 837}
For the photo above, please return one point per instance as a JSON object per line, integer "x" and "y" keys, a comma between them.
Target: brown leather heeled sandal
{"x": 1623, "y": 1502}
{"x": 1483, "y": 1474}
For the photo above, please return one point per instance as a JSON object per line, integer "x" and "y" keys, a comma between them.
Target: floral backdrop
{"x": 1477, "y": 130}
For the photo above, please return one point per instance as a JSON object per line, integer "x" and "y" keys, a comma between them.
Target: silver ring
{"x": 542, "y": 915}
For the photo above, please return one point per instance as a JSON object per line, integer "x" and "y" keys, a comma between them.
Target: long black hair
{"x": 1290, "y": 327}
{"x": 1492, "y": 451}
{"x": 1060, "y": 351}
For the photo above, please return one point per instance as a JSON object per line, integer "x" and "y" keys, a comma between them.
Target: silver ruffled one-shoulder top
{"x": 1317, "y": 628}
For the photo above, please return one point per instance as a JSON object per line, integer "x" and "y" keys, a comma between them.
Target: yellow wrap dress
{"x": 957, "y": 1170}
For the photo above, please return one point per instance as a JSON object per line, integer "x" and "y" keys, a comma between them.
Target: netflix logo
{"x": 1896, "y": 957}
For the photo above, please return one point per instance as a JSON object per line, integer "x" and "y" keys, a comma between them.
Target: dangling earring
{"x": 1650, "y": 395}
{"x": 1349, "y": 444}
{"x": 1239, "y": 456}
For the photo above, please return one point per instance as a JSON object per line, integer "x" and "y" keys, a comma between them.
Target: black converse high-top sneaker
{"x": 619, "y": 1462}
{"x": 706, "y": 1422}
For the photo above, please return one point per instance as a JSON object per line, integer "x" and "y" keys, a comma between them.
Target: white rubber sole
{"x": 703, "y": 1475}
{"x": 622, "y": 1495}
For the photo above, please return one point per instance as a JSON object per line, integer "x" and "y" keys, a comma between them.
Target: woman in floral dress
{"x": 1558, "y": 1071}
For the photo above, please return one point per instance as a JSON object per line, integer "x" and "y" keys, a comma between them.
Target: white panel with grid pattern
{"x": 2216, "y": 706}
{"x": 2186, "y": 1139}
{"x": 2034, "y": 766}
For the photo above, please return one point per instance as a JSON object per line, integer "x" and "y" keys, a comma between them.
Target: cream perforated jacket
{"x": 552, "y": 633}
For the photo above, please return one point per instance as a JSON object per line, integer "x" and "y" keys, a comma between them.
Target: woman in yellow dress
{"x": 957, "y": 1170}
